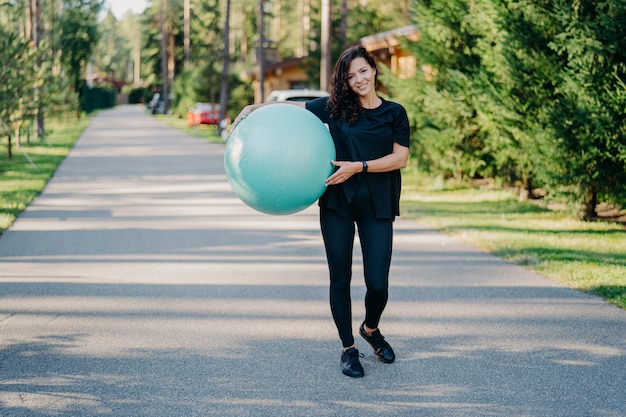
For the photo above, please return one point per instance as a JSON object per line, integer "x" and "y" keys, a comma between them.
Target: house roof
{"x": 273, "y": 66}
{"x": 390, "y": 38}
{"x": 376, "y": 42}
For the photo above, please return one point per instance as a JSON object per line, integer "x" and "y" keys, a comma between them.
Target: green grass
{"x": 20, "y": 181}
{"x": 588, "y": 256}
{"x": 208, "y": 132}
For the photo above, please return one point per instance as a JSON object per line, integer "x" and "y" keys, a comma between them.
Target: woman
{"x": 371, "y": 137}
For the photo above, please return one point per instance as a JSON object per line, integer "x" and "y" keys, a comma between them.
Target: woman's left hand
{"x": 397, "y": 159}
{"x": 345, "y": 171}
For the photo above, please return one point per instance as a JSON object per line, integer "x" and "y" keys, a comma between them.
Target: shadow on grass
{"x": 481, "y": 207}
{"x": 564, "y": 255}
{"x": 528, "y": 235}
{"x": 614, "y": 294}
{"x": 450, "y": 210}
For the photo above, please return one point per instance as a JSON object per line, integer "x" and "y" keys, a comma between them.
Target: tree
{"x": 224, "y": 78}
{"x": 17, "y": 74}
{"x": 326, "y": 45}
{"x": 450, "y": 141}
{"x": 528, "y": 91}
{"x": 79, "y": 24}
{"x": 571, "y": 77}
{"x": 129, "y": 30}
{"x": 113, "y": 54}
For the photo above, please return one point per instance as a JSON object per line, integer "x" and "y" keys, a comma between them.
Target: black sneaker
{"x": 350, "y": 364}
{"x": 378, "y": 343}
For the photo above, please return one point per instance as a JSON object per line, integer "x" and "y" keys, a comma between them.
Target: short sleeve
{"x": 319, "y": 108}
{"x": 401, "y": 130}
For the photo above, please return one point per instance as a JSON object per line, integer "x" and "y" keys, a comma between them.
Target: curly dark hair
{"x": 343, "y": 103}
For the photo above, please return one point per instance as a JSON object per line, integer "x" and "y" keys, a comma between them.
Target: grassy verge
{"x": 208, "y": 132}
{"x": 20, "y": 180}
{"x": 588, "y": 256}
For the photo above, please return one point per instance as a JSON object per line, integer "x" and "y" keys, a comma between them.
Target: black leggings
{"x": 376, "y": 236}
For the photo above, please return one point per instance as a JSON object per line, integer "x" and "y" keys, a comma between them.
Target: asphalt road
{"x": 137, "y": 284}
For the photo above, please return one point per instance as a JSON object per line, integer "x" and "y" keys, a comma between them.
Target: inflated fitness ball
{"x": 278, "y": 157}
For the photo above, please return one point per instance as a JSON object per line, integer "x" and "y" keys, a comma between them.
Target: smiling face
{"x": 362, "y": 78}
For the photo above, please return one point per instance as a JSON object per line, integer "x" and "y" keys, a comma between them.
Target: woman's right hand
{"x": 242, "y": 115}
{"x": 251, "y": 107}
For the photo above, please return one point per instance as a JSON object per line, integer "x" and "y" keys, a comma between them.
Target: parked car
{"x": 204, "y": 114}
{"x": 295, "y": 95}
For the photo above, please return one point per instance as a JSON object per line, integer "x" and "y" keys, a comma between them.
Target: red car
{"x": 204, "y": 114}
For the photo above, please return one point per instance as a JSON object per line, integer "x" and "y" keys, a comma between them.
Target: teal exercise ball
{"x": 278, "y": 157}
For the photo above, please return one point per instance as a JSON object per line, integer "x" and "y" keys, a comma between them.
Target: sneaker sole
{"x": 352, "y": 375}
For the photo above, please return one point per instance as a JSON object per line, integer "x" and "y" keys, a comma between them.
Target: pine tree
{"x": 570, "y": 78}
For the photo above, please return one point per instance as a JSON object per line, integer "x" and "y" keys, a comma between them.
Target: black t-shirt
{"x": 371, "y": 137}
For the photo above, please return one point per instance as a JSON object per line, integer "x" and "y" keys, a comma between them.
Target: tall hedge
{"x": 530, "y": 92}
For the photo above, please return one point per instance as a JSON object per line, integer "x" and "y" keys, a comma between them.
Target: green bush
{"x": 98, "y": 97}
{"x": 136, "y": 95}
